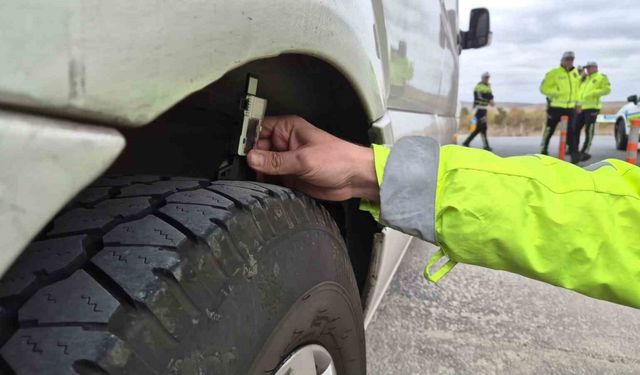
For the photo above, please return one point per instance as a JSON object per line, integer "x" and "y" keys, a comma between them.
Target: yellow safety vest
{"x": 594, "y": 87}
{"x": 562, "y": 87}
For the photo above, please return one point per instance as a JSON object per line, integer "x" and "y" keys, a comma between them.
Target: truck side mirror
{"x": 479, "y": 34}
{"x": 633, "y": 99}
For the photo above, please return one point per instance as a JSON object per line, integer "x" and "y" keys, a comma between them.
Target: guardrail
{"x": 606, "y": 119}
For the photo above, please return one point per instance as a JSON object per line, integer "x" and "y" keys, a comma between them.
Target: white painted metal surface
{"x": 128, "y": 61}
{"x": 44, "y": 162}
{"x": 440, "y": 128}
{"x": 389, "y": 248}
{"x": 629, "y": 109}
{"x": 423, "y": 58}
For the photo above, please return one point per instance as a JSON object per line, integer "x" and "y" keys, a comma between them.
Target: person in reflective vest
{"x": 562, "y": 86}
{"x": 482, "y": 99}
{"x": 594, "y": 86}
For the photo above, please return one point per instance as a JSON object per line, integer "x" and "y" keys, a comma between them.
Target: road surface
{"x": 478, "y": 321}
{"x": 602, "y": 148}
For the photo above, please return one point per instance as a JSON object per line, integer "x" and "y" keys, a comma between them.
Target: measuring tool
{"x": 253, "y": 108}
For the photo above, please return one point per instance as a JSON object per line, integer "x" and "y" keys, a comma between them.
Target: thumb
{"x": 274, "y": 163}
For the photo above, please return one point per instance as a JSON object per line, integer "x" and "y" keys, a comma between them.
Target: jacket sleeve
{"x": 488, "y": 95}
{"x": 532, "y": 215}
{"x": 582, "y": 91}
{"x": 605, "y": 86}
{"x": 480, "y": 95}
{"x": 548, "y": 86}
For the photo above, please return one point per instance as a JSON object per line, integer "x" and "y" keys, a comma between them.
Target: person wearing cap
{"x": 482, "y": 99}
{"x": 562, "y": 86}
{"x": 594, "y": 86}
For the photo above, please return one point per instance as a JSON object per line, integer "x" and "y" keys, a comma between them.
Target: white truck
{"x": 126, "y": 248}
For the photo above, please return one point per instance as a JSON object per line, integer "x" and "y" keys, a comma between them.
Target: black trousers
{"x": 554, "y": 115}
{"x": 586, "y": 119}
{"x": 481, "y": 128}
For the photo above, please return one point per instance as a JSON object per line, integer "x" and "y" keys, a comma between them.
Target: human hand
{"x": 314, "y": 161}
{"x": 578, "y": 109}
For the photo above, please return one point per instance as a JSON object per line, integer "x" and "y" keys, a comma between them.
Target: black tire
{"x": 143, "y": 275}
{"x": 621, "y": 135}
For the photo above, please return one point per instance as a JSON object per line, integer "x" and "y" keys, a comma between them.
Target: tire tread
{"x": 129, "y": 266}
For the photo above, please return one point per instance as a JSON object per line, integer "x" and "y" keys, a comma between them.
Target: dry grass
{"x": 524, "y": 121}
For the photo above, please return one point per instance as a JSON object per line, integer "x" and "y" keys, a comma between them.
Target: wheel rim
{"x": 308, "y": 360}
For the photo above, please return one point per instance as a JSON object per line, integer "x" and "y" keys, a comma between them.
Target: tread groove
{"x": 178, "y": 225}
{"x": 90, "y": 326}
{"x": 235, "y": 201}
{"x": 109, "y": 285}
{"x": 86, "y": 367}
{"x": 178, "y": 291}
{"x": 163, "y": 247}
{"x": 230, "y": 242}
{"x": 126, "y": 301}
{"x": 199, "y": 241}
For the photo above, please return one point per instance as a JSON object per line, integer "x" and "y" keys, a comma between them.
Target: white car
{"x": 135, "y": 241}
{"x": 622, "y": 123}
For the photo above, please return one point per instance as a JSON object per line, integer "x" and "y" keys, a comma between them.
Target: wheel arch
{"x": 196, "y": 135}
{"x": 620, "y": 139}
{"x": 623, "y": 119}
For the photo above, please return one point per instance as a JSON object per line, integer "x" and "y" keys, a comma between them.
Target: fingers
{"x": 274, "y": 163}
{"x": 282, "y": 123}
{"x": 284, "y": 133}
{"x": 263, "y": 144}
{"x": 288, "y": 133}
{"x": 275, "y": 133}
{"x": 267, "y": 126}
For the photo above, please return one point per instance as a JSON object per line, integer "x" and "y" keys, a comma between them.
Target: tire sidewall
{"x": 302, "y": 291}
{"x": 620, "y": 135}
{"x": 326, "y": 316}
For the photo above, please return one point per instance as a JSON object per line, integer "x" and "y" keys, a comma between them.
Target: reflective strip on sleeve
{"x": 437, "y": 275}
{"x": 380, "y": 156}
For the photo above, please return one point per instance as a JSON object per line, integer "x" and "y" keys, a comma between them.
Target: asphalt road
{"x": 478, "y": 321}
{"x": 603, "y": 147}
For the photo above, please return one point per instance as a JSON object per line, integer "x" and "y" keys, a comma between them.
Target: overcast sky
{"x": 529, "y": 37}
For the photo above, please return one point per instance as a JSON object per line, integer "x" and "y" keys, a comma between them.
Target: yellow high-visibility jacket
{"x": 482, "y": 95}
{"x": 562, "y": 87}
{"x": 533, "y": 215}
{"x": 594, "y": 87}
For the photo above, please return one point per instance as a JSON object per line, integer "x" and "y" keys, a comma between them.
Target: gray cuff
{"x": 408, "y": 191}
